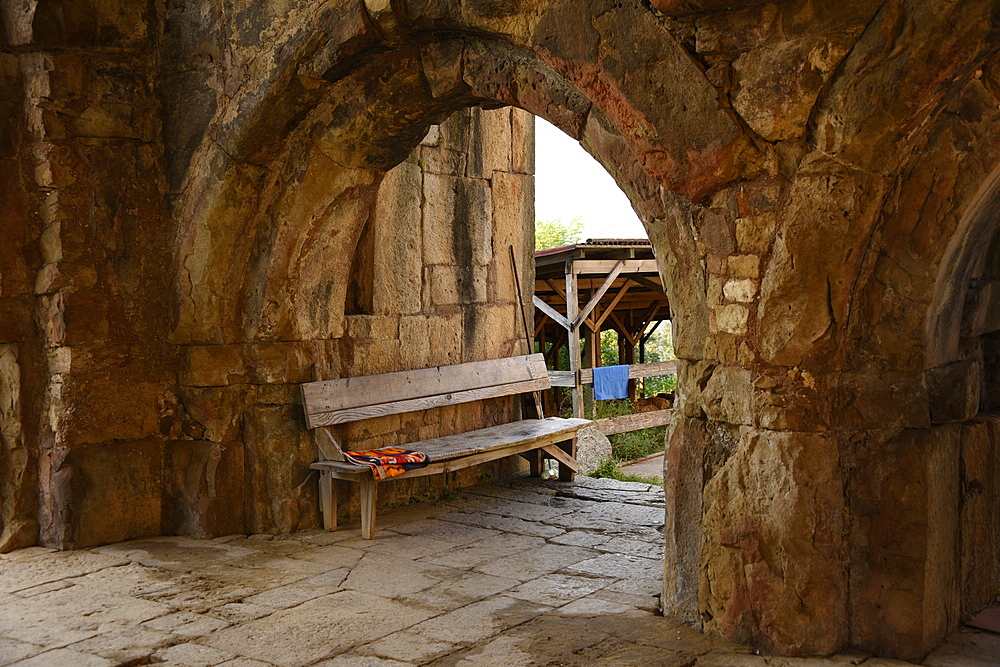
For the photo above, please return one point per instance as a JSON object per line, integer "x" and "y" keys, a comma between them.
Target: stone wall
{"x": 194, "y": 197}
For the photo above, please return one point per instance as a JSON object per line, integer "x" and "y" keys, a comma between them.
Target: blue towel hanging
{"x": 610, "y": 382}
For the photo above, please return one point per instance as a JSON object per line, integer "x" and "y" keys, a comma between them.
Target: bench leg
{"x": 368, "y": 497}
{"x": 328, "y": 501}
{"x": 566, "y": 473}
{"x": 534, "y": 462}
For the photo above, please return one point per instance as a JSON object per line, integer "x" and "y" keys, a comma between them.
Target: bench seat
{"x": 454, "y": 452}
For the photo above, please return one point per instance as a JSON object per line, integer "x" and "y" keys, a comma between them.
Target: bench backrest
{"x": 329, "y": 402}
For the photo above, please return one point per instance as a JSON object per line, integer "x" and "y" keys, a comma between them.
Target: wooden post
{"x": 368, "y": 500}
{"x": 575, "y": 362}
{"x": 328, "y": 500}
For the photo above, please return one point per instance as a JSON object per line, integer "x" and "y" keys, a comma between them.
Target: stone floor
{"x": 516, "y": 573}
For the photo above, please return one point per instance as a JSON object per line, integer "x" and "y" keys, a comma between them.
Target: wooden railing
{"x": 635, "y": 422}
{"x": 566, "y": 379}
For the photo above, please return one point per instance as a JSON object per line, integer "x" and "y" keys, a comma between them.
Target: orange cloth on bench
{"x": 388, "y": 461}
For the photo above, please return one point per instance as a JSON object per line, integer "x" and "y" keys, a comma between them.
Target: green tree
{"x": 556, "y": 233}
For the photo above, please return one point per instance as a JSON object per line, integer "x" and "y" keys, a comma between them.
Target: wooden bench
{"x": 330, "y": 402}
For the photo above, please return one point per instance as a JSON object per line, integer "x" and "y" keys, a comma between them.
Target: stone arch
{"x": 361, "y": 130}
{"x": 965, "y": 253}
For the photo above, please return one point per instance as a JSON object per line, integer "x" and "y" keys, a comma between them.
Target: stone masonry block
{"x": 203, "y": 488}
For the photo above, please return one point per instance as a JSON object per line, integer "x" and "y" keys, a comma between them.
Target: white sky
{"x": 569, "y": 183}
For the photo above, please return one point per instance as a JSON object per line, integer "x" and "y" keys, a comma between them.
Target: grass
{"x": 610, "y": 469}
{"x": 634, "y": 444}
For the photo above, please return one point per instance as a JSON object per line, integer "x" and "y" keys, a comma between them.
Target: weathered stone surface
{"x": 107, "y": 493}
{"x": 203, "y": 488}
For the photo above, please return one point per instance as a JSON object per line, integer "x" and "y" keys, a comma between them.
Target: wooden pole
{"x": 527, "y": 332}
{"x": 575, "y": 362}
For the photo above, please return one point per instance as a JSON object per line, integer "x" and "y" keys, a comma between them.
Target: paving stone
{"x": 330, "y": 555}
{"x": 284, "y": 597}
{"x": 647, "y": 603}
{"x": 593, "y": 606}
{"x": 12, "y": 650}
{"x": 128, "y": 645}
{"x": 581, "y": 538}
{"x": 198, "y": 594}
{"x": 64, "y": 657}
{"x": 192, "y": 655}
{"x": 529, "y": 565}
{"x": 43, "y": 588}
{"x": 393, "y": 577}
{"x": 618, "y": 565}
{"x": 186, "y": 624}
{"x": 131, "y": 579}
{"x": 241, "y": 612}
{"x": 526, "y": 511}
{"x": 35, "y": 569}
{"x": 409, "y": 646}
{"x": 479, "y": 620}
{"x": 966, "y": 649}
{"x": 318, "y": 628}
{"x": 445, "y": 531}
{"x": 73, "y": 614}
{"x": 262, "y": 571}
{"x": 458, "y": 589}
{"x": 179, "y": 554}
{"x": 353, "y": 660}
{"x": 506, "y": 524}
{"x": 411, "y": 546}
{"x": 557, "y": 589}
{"x": 624, "y": 545}
{"x": 496, "y": 546}
{"x": 327, "y": 582}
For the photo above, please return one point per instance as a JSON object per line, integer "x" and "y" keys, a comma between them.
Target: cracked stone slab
{"x": 34, "y": 569}
{"x": 506, "y": 524}
{"x": 614, "y": 565}
{"x": 409, "y": 646}
{"x": 128, "y": 645}
{"x": 479, "y": 620}
{"x": 558, "y": 589}
{"x": 318, "y": 629}
{"x": 392, "y": 577}
{"x": 192, "y": 655}
{"x": 446, "y": 531}
{"x": 460, "y": 588}
{"x": 470, "y": 555}
{"x": 73, "y": 614}
{"x": 529, "y": 565}
{"x": 12, "y": 650}
{"x": 186, "y": 624}
{"x": 64, "y": 657}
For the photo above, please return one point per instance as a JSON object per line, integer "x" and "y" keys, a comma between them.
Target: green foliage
{"x": 634, "y": 444}
{"x": 611, "y": 470}
{"x": 556, "y": 233}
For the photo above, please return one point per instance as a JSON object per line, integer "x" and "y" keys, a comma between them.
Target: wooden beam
{"x": 603, "y": 266}
{"x": 647, "y": 283}
{"x": 634, "y": 371}
{"x": 622, "y": 329}
{"x": 599, "y": 294}
{"x": 636, "y": 422}
{"x": 558, "y": 454}
{"x": 558, "y": 318}
{"x": 611, "y": 307}
{"x": 555, "y": 288}
{"x": 562, "y": 378}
